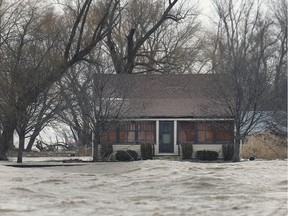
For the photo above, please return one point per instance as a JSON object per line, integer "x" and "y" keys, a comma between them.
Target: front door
{"x": 166, "y": 141}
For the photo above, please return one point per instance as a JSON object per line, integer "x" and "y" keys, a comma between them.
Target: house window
{"x": 186, "y": 132}
{"x": 146, "y": 132}
{"x": 127, "y": 132}
{"x": 136, "y": 132}
{"x": 205, "y": 132}
{"x": 224, "y": 132}
{"x": 131, "y": 136}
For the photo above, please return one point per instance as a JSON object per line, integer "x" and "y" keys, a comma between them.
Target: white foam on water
{"x": 155, "y": 187}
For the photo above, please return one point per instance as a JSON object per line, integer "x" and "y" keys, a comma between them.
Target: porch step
{"x": 167, "y": 157}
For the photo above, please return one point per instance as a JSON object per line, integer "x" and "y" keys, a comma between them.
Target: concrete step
{"x": 167, "y": 157}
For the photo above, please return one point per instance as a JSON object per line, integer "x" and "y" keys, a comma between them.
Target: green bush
{"x": 106, "y": 150}
{"x": 227, "y": 151}
{"x": 146, "y": 151}
{"x": 207, "y": 155}
{"x": 187, "y": 150}
{"x": 128, "y": 155}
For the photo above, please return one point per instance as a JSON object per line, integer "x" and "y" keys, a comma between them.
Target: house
{"x": 168, "y": 110}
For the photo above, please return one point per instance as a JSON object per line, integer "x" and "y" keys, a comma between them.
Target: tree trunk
{"x": 33, "y": 138}
{"x": 3, "y": 148}
{"x": 95, "y": 149}
{"x": 84, "y": 137}
{"x": 236, "y": 155}
{"x": 21, "y": 147}
{"x": 6, "y": 138}
{"x": 130, "y": 52}
{"x": 31, "y": 142}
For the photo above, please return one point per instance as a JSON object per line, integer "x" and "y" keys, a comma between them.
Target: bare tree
{"x": 277, "y": 120}
{"x": 37, "y": 116}
{"x": 155, "y": 36}
{"x": 56, "y": 52}
{"x": 240, "y": 55}
{"x": 279, "y": 9}
{"x": 110, "y": 105}
{"x": 96, "y": 101}
{"x": 48, "y": 107}
{"x": 76, "y": 89}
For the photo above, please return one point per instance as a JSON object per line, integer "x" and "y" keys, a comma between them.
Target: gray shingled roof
{"x": 168, "y": 95}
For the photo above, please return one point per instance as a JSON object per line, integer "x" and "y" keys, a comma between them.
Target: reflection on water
{"x": 155, "y": 187}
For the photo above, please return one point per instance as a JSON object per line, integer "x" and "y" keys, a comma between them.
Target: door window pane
{"x": 166, "y": 138}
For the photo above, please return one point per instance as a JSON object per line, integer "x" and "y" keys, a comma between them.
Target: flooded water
{"x": 155, "y": 187}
